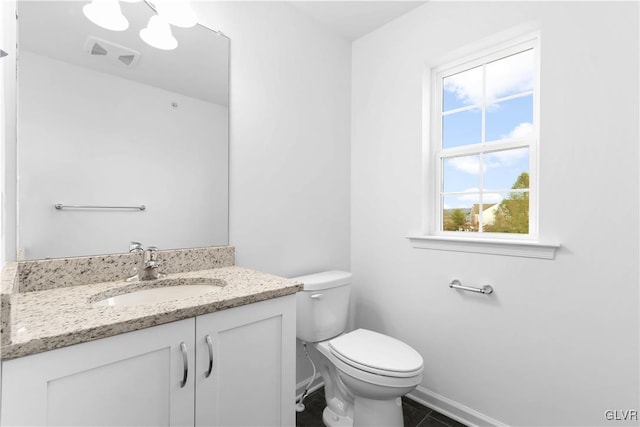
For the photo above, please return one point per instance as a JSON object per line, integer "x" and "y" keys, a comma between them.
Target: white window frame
{"x": 433, "y": 237}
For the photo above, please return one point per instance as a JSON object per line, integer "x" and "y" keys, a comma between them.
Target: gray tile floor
{"x": 415, "y": 415}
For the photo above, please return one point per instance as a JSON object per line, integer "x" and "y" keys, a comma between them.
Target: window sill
{"x": 517, "y": 248}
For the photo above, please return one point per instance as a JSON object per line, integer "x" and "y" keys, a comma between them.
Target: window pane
{"x": 510, "y": 76}
{"x": 510, "y": 119}
{"x": 462, "y": 89}
{"x": 462, "y": 128}
{"x": 461, "y": 174}
{"x": 510, "y": 215}
{"x": 457, "y": 213}
{"x": 506, "y": 169}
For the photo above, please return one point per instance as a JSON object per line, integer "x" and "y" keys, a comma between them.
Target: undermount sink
{"x": 157, "y": 291}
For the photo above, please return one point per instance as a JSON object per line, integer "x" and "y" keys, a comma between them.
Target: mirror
{"x": 108, "y": 122}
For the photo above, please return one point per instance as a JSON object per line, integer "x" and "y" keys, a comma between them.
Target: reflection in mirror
{"x": 106, "y": 120}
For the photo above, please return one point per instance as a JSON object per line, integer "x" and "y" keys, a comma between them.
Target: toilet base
{"x": 331, "y": 419}
{"x": 371, "y": 412}
{"x": 367, "y": 412}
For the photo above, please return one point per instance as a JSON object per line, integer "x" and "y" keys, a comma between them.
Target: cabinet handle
{"x": 210, "y": 346}
{"x": 185, "y": 364}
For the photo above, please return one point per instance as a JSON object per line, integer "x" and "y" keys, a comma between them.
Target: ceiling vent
{"x": 96, "y": 49}
{"x": 111, "y": 52}
{"x": 127, "y": 59}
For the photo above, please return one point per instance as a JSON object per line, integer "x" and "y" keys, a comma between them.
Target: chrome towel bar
{"x": 60, "y": 206}
{"x": 486, "y": 289}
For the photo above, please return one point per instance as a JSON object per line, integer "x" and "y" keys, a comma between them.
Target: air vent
{"x": 107, "y": 51}
{"x": 126, "y": 59}
{"x": 96, "y": 49}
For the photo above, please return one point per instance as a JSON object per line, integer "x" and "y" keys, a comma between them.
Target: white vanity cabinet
{"x": 245, "y": 365}
{"x": 138, "y": 378}
{"x": 128, "y": 379}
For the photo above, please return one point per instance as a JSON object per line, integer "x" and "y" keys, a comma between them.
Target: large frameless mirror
{"x": 118, "y": 140}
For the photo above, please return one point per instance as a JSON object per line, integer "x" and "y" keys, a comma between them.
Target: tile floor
{"x": 415, "y": 415}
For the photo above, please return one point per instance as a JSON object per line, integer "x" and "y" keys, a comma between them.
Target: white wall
{"x": 557, "y": 344}
{"x": 289, "y": 182}
{"x": 90, "y": 138}
{"x": 289, "y": 140}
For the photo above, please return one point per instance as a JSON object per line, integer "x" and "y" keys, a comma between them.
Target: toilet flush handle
{"x": 316, "y": 296}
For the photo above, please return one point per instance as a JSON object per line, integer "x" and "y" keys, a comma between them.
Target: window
{"x": 481, "y": 160}
{"x": 484, "y": 144}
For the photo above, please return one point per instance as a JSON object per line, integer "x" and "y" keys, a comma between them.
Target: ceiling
{"x": 354, "y": 19}
{"x": 59, "y": 30}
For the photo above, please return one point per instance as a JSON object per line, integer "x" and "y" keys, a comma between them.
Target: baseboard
{"x": 316, "y": 384}
{"x": 430, "y": 399}
{"x": 452, "y": 409}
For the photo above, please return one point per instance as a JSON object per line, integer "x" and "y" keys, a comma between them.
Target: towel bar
{"x": 60, "y": 206}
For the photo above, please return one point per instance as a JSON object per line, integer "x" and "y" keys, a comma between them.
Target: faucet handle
{"x": 135, "y": 247}
{"x": 151, "y": 256}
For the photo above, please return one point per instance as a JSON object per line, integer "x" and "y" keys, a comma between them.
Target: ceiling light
{"x": 107, "y": 14}
{"x": 177, "y": 12}
{"x": 158, "y": 34}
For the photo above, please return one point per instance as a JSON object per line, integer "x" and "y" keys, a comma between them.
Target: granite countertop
{"x": 53, "y": 318}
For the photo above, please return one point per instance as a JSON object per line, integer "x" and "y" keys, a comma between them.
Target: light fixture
{"x": 158, "y": 34}
{"x": 177, "y": 12}
{"x": 107, "y": 14}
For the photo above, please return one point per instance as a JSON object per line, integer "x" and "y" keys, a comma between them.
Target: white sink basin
{"x": 161, "y": 291}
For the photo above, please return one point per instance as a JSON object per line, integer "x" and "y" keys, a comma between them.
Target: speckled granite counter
{"x": 41, "y": 320}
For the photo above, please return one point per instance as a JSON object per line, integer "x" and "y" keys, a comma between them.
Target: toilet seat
{"x": 376, "y": 353}
{"x": 370, "y": 377}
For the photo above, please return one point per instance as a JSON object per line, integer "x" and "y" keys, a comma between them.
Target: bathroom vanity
{"x": 196, "y": 360}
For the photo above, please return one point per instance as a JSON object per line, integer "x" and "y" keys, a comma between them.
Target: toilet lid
{"x": 324, "y": 280}
{"x": 376, "y": 353}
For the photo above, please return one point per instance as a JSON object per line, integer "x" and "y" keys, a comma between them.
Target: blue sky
{"x": 511, "y": 76}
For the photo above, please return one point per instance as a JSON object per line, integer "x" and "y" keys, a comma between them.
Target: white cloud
{"x": 498, "y": 159}
{"x": 467, "y": 164}
{"x": 510, "y": 75}
{"x": 466, "y": 86}
{"x": 523, "y": 130}
{"x": 504, "y": 158}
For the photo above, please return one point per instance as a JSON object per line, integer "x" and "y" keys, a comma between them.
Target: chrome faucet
{"x": 149, "y": 264}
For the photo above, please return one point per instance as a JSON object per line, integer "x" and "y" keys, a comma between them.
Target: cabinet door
{"x": 132, "y": 379}
{"x": 252, "y": 380}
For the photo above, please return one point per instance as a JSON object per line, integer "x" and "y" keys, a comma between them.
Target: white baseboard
{"x": 430, "y": 399}
{"x": 317, "y": 383}
{"x": 452, "y": 409}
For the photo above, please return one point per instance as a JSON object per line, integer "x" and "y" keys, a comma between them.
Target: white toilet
{"x": 364, "y": 372}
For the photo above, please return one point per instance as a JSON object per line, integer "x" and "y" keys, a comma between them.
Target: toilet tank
{"x": 323, "y": 305}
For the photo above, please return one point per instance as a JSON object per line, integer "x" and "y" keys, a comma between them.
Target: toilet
{"x": 365, "y": 373}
